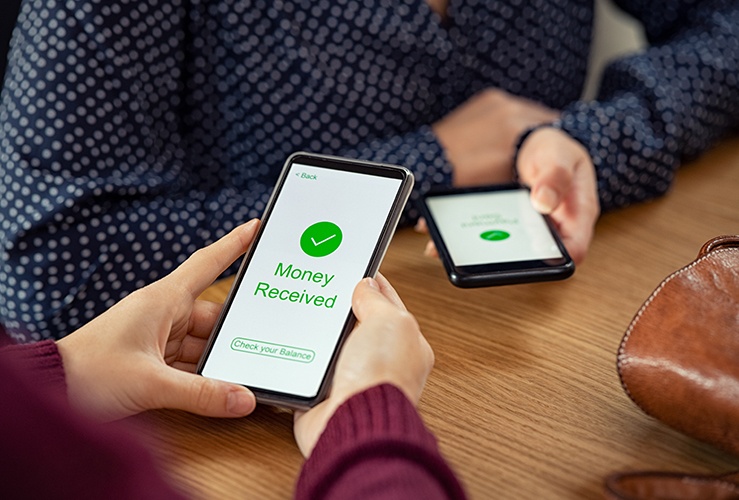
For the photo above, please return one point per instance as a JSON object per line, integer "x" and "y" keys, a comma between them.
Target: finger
{"x": 204, "y": 266}
{"x": 577, "y": 217}
{"x": 203, "y": 318}
{"x": 368, "y": 300}
{"x": 190, "y": 350}
{"x": 430, "y": 250}
{"x": 547, "y": 163}
{"x": 203, "y": 396}
{"x": 389, "y": 291}
{"x": 577, "y": 246}
{"x": 185, "y": 367}
{"x": 421, "y": 226}
{"x": 551, "y": 184}
{"x": 576, "y": 239}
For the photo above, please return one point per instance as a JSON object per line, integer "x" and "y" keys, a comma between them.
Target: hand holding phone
{"x": 492, "y": 235}
{"x": 327, "y": 225}
{"x": 386, "y": 347}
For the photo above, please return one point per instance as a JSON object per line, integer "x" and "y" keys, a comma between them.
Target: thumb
{"x": 547, "y": 164}
{"x": 367, "y": 298}
{"x": 204, "y": 396}
{"x": 551, "y": 183}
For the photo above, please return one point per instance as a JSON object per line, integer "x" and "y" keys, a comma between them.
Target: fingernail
{"x": 545, "y": 200}
{"x": 239, "y": 402}
{"x": 373, "y": 283}
{"x": 429, "y": 250}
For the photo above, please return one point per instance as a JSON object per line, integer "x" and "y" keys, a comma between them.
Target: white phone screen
{"x": 285, "y": 320}
{"x": 492, "y": 227}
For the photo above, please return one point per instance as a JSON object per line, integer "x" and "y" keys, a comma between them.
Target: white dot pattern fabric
{"x": 133, "y": 132}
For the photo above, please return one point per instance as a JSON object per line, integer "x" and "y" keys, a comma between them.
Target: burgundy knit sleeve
{"x": 50, "y": 451}
{"x": 40, "y": 362}
{"x": 376, "y": 446}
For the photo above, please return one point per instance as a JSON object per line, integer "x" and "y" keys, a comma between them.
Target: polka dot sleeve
{"x": 664, "y": 106}
{"x": 100, "y": 195}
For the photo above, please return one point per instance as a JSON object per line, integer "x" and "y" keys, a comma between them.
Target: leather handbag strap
{"x": 672, "y": 486}
{"x": 725, "y": 241}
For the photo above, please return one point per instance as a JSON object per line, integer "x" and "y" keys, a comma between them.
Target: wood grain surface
{"x": 524, "y": 398}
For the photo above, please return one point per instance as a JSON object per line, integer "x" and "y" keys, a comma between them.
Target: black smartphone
{"x": 492, "y": 235}
{"x": 327, "y": 225}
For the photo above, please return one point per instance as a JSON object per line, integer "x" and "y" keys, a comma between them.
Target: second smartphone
{"x": 327, "y": 226}
{"x": 492, "y": 235}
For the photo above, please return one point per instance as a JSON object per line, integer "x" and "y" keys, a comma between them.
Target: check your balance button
{"x": 271, "y": 350}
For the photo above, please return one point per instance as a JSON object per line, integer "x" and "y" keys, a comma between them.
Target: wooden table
{"x": 524, "y": 397}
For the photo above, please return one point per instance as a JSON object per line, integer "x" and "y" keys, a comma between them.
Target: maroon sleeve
{"x": 40, "y": 363}
{"x": 376, "y": 446}
{"x": 49, "y": 451}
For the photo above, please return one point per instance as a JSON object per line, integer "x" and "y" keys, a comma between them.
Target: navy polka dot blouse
{"x": 133, "y": 132}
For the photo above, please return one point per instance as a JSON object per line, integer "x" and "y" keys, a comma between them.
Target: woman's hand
{"x": 137, "y": 355}
{"x": 562, "y": 179}
{"x": 386, "y": 346}
{"x": 479, "y": 140}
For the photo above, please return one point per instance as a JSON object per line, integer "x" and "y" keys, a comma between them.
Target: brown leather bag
{"x": 679, "y": 362}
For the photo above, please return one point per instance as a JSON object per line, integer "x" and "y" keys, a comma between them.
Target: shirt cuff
{"x": 381, "y": 410}
{"x": 377, "y": 424}
{"x": 40, "y": 362}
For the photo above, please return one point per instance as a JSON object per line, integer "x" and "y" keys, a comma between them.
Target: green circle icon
{"x": 321, "y": 239}
{"x": 494, "y": 235}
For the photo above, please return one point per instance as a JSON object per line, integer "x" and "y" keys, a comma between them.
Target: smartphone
{"x": 492, "y": 235}
{"x": 326, "y": 226}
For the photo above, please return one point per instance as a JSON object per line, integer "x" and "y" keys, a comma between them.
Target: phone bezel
{"x": 287, "y": 400}
{"x": 495, "y": 273}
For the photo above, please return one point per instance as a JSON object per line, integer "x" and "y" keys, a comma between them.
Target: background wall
{"x": 616, "y": 34}
{"x": 8, "y": 14}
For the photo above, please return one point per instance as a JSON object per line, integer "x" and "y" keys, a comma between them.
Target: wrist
{"x": 74, "y": 372}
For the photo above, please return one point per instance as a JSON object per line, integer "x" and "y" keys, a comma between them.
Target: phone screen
{"x": 494, "y": 226}
{"x": 492, "y": 235}
{"x": 282, "y": 325}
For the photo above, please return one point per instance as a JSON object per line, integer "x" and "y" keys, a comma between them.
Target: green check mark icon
{"x": 321, "y": 239}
